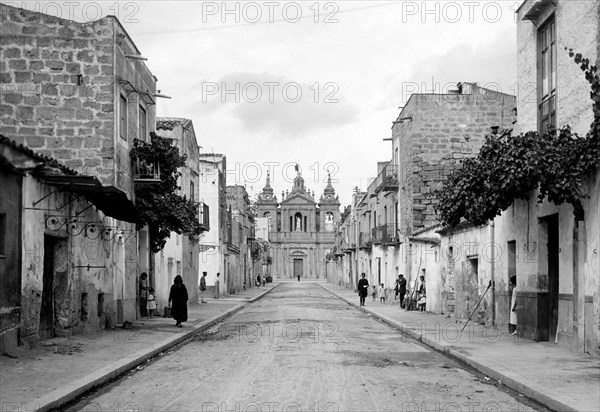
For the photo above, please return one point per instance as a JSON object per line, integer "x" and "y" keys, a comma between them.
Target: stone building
{"x": 301, "y": 230}
{"x": 79, "y": 93}
{"x": 64, "y": 248}
{"x": 553, "y": 255}
{"x": 430, "y": 137}
{"x": 433, "y": 133}
{"x": 180, "y": 254}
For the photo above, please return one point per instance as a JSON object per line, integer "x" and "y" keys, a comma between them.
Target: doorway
{"x": 553, "y": 261}
{"x": 298, "y": 267}
{"x": 46, "y": 328}
{"x": 511, "y": 248}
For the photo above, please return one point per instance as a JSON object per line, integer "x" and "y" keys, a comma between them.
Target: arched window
{"x": 329, "y": 222}
{"x": 268, "y": 216}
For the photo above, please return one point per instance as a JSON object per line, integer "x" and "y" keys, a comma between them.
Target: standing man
{"x": 401, "y": 289}
{"x": 298, "y": 278}
{"x": 217, "y": 285}
{"x": 143, "y": 286}
{"x": 203, "y": 287}
{"x": 363, "y": 288}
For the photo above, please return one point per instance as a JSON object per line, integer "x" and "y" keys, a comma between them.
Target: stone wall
{"x": 58, "y": 88}
{"x": 444, "y": 130}
{"x": 90, "y": 290}
{"x": 60, "y": 91}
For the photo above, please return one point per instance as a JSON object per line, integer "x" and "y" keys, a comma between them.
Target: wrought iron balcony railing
{"x": 387, "y": 180}
{"x": 365, "y": 241}
{"x": 385, "y": 234}
{"x": 144, "y": 172}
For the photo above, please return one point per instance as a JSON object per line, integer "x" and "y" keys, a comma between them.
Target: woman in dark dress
{"x": 179, "y": 297}
{"x": 363, "y": 289}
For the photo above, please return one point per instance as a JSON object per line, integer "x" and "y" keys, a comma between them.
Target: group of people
{"x": 400, "y": 290}
{"x": 178, "y": 297}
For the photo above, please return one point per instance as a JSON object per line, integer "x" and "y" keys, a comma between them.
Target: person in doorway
{"x": 421, "y": 294}
{"x": 512, "y": 322}
{"x": 151, "y": 306}
{"x": 363, "y": 289}
{"x": 178, "y": 298}
{"x": 396, "y": 288}
{"x": 298, "y": 278}
{"x": 402, "y": 290}
{"x": 217, "y": 286}
{"x": 143, "y": 286}
{"x": 203, "y": 287}
{"x": 382, "y": 293}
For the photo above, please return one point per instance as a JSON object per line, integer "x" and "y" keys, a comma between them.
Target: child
{"x": 382, "y": 294}
{"x": 374, "y": 293}
{"x": 151, "y": 305}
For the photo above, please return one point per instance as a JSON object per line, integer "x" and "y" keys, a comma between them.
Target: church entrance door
{"x": 298, "y": 267}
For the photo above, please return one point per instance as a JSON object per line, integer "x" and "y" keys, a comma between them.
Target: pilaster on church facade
{"x": 301, "y": 230}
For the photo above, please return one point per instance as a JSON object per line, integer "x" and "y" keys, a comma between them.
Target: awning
{"x": 111, "y": 200}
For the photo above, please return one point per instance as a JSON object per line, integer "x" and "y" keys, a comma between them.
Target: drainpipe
{"x": 492, "y": 274}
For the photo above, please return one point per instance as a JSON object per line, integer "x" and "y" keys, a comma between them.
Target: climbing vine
{"x": 159, "y": 205}
{"x": 508, "y": 167}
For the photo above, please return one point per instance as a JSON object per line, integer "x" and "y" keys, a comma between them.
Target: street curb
{"x": 506, "y": 380}
{"x": 69, "y": 393}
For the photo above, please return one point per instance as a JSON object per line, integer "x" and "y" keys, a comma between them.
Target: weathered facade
{"x": 77, "y": 93}
{"x": 556, "y": 263}
{"x": 431, "y": 135}
{"x": 66, "y": 268}
{"x": 301, "y": 230}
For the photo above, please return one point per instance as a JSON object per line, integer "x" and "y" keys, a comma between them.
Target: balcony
{"x": 146, "y": 173}
{"x": 349, "y": 247}
{"x": 204, "y": 217}
{"x": 387, "y": 180}
{"x": 385, "y": 234}
{"x": 364, "y": 241}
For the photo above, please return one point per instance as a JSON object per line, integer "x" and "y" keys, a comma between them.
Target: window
{"x": 143, "y": 129}
{"x": 123, "y": 117}
{"x": 2, "y": 234}
{"x": 192, "y": 191}
{"x": 547, "y": 75}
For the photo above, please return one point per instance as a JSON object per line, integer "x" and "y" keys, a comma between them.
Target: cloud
{"x": 275, "y": 104}
{"x": 492, "y": 65}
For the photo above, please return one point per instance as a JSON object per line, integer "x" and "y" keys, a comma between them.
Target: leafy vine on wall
{"x": 508, "y": 167}
{"x": 159, "y": 205}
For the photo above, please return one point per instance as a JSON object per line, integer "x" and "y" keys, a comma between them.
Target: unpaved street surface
{"x": 302, "y": 349}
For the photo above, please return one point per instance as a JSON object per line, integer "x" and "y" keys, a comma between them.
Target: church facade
{"x": 301, "y": 230}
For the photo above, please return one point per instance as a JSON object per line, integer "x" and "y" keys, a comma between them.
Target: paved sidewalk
{"x": 553, "y": 376}
{"x": 62, "y": 369}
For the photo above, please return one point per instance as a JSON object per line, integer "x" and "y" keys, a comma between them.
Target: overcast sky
{"x": 354, "y": 62}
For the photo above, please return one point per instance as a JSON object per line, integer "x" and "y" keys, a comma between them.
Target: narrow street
{"x": 302, "y": 349}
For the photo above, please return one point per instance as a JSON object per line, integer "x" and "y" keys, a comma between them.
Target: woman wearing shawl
{"x": 179, "y": 297}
